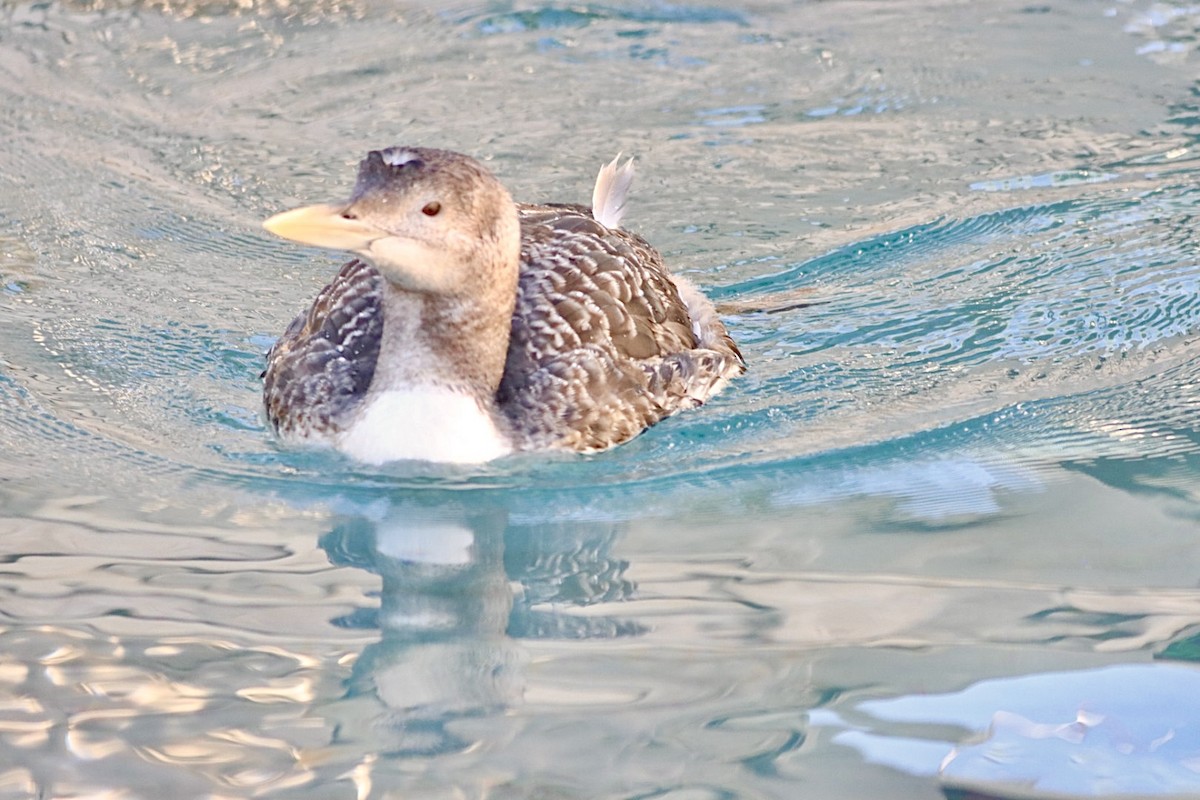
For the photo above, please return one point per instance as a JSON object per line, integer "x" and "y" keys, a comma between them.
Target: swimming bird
{"x": 470, "y": 326}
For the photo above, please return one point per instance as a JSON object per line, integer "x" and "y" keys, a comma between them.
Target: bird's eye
{"x": 348, "y": 215}
{"x": 431, "y": 209}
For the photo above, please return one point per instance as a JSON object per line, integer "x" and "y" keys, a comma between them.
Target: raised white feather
{"x": 612, "y": 189}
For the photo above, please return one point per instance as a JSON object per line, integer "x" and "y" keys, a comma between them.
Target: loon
{"x": 469, "y": 326}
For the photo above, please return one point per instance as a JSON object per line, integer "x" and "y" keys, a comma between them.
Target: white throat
{"x": 427, "y": 423}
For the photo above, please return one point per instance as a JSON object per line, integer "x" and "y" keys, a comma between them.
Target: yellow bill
{"x": 323, "y": 226}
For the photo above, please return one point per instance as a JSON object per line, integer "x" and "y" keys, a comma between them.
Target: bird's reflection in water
{"x": 460, "y": 590}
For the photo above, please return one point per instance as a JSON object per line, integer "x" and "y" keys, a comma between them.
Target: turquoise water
{"x": 941, "y": 539}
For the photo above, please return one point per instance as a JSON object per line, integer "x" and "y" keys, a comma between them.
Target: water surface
{"x": 966, "y": 465}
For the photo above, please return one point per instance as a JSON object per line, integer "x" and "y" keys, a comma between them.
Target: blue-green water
{"x": 952, "y": 509}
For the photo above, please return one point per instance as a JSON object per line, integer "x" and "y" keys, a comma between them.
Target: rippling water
{"x": 956, "y": 241}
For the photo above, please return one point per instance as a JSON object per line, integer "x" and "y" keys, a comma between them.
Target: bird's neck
{"x": 458, "y": 343}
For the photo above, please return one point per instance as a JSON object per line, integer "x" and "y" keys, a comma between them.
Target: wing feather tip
{"x": 612, "y": 191}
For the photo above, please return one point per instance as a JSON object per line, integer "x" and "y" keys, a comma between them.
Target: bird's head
{"x": 431, "y": 221}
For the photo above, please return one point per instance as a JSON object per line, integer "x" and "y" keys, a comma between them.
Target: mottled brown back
{"x": 602, "y": 345}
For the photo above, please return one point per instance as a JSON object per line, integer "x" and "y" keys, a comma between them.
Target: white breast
{"x": 426, "y": 423}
